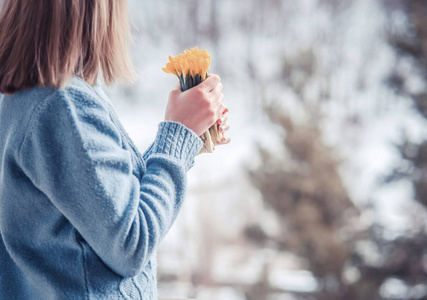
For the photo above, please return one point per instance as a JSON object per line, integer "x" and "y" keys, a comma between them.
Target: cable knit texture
{"x": 82, "y": 211}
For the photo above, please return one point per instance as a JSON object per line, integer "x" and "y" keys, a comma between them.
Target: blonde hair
{"x": 46, "y": 42}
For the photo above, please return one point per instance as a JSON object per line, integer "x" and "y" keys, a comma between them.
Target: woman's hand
{"x": 199, "y": 107}
{"x": 223, "y": 126}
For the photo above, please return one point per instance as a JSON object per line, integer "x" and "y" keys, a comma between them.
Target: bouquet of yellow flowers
{"x": 192, "y": 68}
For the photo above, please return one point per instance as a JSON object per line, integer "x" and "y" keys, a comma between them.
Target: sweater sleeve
{"x": 72, "y": 153}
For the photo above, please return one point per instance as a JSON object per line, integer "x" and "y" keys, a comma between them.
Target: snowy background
{"x": 341, "y": 58}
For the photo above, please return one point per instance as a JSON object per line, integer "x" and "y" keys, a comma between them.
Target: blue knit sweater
{"x": 82, "y": 212}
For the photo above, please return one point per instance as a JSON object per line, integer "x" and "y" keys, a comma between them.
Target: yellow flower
{"x": 188, "y": 65}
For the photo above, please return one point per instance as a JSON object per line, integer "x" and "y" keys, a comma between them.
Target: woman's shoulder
{"x": 76, "y": 104}
{"x": 76, "y": 93}
{"x": 51, "y": 114}
{"x": 77, "y": 98}
{"x": 80, "y": 94}
{"x": 80, "y": 89}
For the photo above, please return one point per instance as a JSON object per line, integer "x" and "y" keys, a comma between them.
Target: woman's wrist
{"x": 178, "y": 141}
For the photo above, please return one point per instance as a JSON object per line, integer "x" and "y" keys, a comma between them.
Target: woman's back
{"x": 16, "y": 194}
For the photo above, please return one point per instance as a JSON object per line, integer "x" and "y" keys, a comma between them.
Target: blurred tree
{"x": 303, "y": 188}
{"x": 409, "y": 253}
{"x": 413, "y": 45}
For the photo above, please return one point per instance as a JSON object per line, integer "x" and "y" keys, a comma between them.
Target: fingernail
{"x": 226, "y": 139}
{"x": 222, "y": 128}
{"x": 221, "y": 120}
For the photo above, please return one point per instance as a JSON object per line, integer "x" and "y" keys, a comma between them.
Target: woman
{"x": 82, "y": 212}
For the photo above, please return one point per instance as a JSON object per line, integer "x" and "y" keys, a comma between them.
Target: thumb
{"x": 177, "y": 86}
{"x": 175, "y": 91}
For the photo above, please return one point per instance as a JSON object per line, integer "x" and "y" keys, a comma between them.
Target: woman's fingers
{"x": 217, "y": 90}
{"x": 216, "y": 95}
{"x": 214, "y": 85}
{"x": 218, "y": 108}
{"x": 225, "y": 140}
{"x": 210, "y": 83}
{"x": 224, "y": 127}
{"x": 223, "y": 118}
